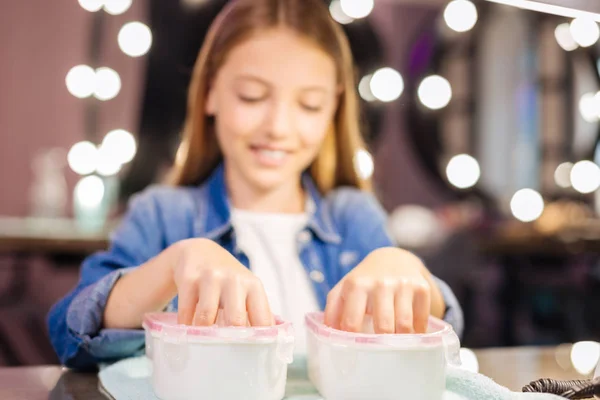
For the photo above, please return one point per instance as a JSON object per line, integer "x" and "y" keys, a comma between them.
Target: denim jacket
{"x": 343, "y": 228}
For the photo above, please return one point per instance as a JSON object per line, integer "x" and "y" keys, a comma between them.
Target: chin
{"x": 267, "y": 180}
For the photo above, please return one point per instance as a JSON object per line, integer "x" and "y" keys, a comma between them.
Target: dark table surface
{"x": 513, "y": 368}
{"x": 42, "y": 235}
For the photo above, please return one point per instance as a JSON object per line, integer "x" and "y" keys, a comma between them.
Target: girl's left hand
{"x": 391, "y": 285}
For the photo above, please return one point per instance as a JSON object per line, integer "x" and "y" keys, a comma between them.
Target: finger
{"x": 186, "y": 303}
{"x": 234, "y": 303}
{"x": 421, "y": 308}
{"x": 257, "y": 304}
{"x": 383, "y": 310}
{"x": 333, "y": 308}
{"x": 208, "y": 303}
{"x": 354, "y": 308}
{"x": 404, "y": 309}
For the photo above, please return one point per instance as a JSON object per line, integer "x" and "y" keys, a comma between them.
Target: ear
{"x": 210, "y": 108}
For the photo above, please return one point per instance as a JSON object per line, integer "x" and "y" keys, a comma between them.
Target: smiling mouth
{"x": 269, "y": 156}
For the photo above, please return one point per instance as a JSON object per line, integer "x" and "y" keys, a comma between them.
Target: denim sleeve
{"x": 75, "y": 322}
{"x": 364, "y": 221}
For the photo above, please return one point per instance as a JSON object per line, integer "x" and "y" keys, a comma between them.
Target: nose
{"x": 280, "y": 120}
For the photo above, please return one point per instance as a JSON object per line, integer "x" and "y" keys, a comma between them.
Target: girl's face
{"x": 273, "y": 99}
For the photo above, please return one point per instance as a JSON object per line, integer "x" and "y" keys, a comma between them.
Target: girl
{"x": 266, "y": 214}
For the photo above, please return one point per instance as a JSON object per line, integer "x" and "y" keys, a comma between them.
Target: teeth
{"x": 274, "y": 154}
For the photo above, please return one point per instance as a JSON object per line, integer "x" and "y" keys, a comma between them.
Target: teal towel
{"x": 130, "y": 380}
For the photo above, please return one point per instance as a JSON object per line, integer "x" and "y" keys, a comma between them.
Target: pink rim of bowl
{"x": 437, "y": 330}
{"x": 161, "y": 322}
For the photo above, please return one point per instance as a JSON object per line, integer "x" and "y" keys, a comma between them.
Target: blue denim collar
{"x": 216, "y": 218}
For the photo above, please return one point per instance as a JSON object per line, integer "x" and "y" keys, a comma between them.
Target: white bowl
{"x": 367, "y": 366}
{"x": 224, "y": 363}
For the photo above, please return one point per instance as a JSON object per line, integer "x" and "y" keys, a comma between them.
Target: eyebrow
{"x": 255, "y": 78}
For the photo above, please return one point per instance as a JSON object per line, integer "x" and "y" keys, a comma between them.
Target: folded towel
{"x": 130, "y": 380}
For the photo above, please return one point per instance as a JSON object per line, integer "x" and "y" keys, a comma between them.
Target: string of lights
{"x": 385, "y": 85}
{"x": 95, "y": 161}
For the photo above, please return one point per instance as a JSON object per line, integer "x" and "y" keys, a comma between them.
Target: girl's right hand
{"x": 211, "y": 281}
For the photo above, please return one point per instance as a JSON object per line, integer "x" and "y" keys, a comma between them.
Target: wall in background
{"x": 40, "y": 42}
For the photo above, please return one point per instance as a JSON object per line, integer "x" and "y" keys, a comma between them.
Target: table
{"x": 54, "y": 236}
{"x": 512, "y": 367}
{"x": 23, "y": 242}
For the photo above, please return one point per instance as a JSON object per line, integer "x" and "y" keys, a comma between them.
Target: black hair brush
{"x": 577, "y": 389}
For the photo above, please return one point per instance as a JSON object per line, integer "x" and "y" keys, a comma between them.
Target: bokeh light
{"x": 83, "y": 158}
{"x": 364, "y": 89}
{"x": 585, "y": 177}
{"x": 585, "y": 356}
{"x": 335, "y": 9}
{"x": 463, "y": 171}
{"x": 363, "y": 162}
{"x": 357, "y": 8}
{"x": 89, "y": 191}
{"x": 435, "y": 92}
{"x": 562, "y": 175}
{"x": 120, "y": 143}
{"x": 135, "y": 39}
{"x": 461, "y": 15}
{"x": 108, "y": 84}
{"x": 91, "y": 5}
{"x": 387, "y": 84}
{"x": 81, "y": 81}
{"x": 563, "y": 36}
{"x": 117, "y": 7}
{"x": 585, "y": 31}
{"x": 527, "y": 205}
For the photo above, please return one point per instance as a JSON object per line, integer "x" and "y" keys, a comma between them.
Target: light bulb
{"x": 81, "y": 81}
{"x": 527, "y": 205}
{"x": 387, "y": 84}
{"x": 335, "y": 9}
{"x": 563, "y": 36}
{"x": 91, "y": 5}
{"x": 116, "y": 7}
{"x": 120, "y": 143}
{"x": 585, "y": 31}
{"x": 435, "y": 92}
{"x": 357, "y": 8}
{"x": 461, "y": 15}
{"x": 108, "y": 84}
{"x": 363, "y": 163}
{"x": 463, "y": 171}
{"x": 135, "y": 39}
{"x": 585, "y": 177}
{"x": 83, "y": 158}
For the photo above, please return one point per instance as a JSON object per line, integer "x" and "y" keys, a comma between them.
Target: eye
{"x": 251, "y": 99}
{"x": 311, "y": 108}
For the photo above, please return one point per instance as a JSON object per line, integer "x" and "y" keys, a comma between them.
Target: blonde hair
{"x": 199, "y": 152}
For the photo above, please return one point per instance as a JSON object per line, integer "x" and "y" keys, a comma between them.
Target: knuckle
{"x": 236, "y": 280}
{"x": 350, "y": 285}
{"x": 237, "y": 319}
{"x": 204, "y": 316}
{"x": 385, "y": 325}
{"x": 383, "y": 285}
{"x": 209, "y": 276}
{"x": 422, "y": 288}
{"x": 349, "y": 324}
{"x": 354, "y": 285}
{"x": 188, "y": 286}
{"x": 256, "y": 284}
{"x": 404, "y": 325}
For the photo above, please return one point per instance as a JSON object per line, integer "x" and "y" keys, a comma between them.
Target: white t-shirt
{"x": 271, "y": 243}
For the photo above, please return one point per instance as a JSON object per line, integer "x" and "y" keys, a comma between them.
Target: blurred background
{"x": 481, "y": 118}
